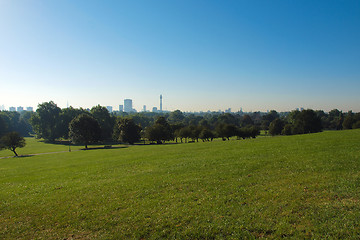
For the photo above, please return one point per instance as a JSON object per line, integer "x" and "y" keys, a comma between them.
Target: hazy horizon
{"x": 201, "y": 55}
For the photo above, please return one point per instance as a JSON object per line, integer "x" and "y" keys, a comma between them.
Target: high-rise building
{"x": 121, "y": 108}
{"x": 160, "y": 102}
{"x": 144, "y": 108}
{"x": 12, "y": 109}
{"x": 29, "y": 109}
{"x": 154, "y": 109}
{"x": 109, "y": 108}
{"x": 128, "y": 105}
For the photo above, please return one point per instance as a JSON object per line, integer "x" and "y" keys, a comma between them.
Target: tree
{"x": 126, "y": 130}
{"x": 348, "y": 121}
{"x": 3, "y": 126}
{"x": 176, "y": 116}
{"x": 84, "y": 129}
{"x": 160, "y": 131}
{"x": 106, "y": 122}
{"x": 66, "y": 116}
{"x": 11, "y": 141}
{"x": 287, "y": 130}
{"x": 246, "y": 121}
{"x": 225, "y": 131}
{"x": 184, "y": 132}
{"x": 271, "y": 116}
{"x": 276, "y": 127}
{"x": 307, "y": 122}
{"x": 47, "y": 122}
{"x": 206, "y": 134}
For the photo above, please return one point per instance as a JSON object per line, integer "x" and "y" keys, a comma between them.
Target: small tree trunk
{"x": 13, "y": 150}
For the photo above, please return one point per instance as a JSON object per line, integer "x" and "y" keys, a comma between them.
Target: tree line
{"x": 98, "y": 125}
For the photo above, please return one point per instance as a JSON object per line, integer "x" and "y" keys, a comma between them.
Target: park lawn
{"x": 303, "y": 186}
{"x": 35, "y": 146}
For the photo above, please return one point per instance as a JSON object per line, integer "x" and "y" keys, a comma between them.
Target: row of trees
{"x": 309, "y": 121}
{"x": 15, "y": 122}
{"x": 51, "y": 123}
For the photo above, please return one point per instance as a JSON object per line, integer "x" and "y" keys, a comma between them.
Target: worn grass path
{"x": 304, "y": 186}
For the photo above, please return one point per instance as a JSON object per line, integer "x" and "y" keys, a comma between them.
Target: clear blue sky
{"x": 201, "y": 55}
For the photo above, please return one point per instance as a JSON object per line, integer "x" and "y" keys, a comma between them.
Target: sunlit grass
{"x": 304, "y": 186}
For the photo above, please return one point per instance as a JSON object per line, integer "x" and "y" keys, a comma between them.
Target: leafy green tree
{"x": 287, "y": 130}
{"x": 66, "y": 116}
{"x": 85, "y": 129}
{"x": 246, "y": 121}
{"x": 270, "y": 116}
{"x": 307, "y": 122}
{"x": 356, "y": 125}
{"x": 176, "y": 116}
{"x": 106, "y": 122}
{"x": 127, "y": 131}
{"x": 336, "y": 119}
{"x": 46, "y": 122}
{"x": 184, "y": 133}
{"x": 11, "y": 141}
{"x": 225, "y": 131}
{"x": 206, "y": 135}
{"x": 276, "y": 127}
{"x": 161, "y": 131}
{"x": 348, "y": 121}
{"x": 175, "y": 129}
{"x": 247, "y": 132}
{"x": 3, "y": 125}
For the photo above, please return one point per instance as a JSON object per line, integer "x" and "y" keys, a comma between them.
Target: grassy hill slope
{"x": 304, "y": 186}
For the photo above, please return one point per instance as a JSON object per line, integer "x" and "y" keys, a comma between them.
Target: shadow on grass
{"x": 103, "y": 148}
{"x": 24, "y": 156}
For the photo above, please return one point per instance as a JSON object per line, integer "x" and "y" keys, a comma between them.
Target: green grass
{"x": 304, "y": 186}
{"x": 34, "y": 146}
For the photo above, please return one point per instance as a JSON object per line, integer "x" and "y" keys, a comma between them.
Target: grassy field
{"x": 304, "y": 186}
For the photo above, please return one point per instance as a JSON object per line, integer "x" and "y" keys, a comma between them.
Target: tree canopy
{"x": 85, "y": 129}
{"x": 12, "y": 141}
{"x": 127, "y": 131}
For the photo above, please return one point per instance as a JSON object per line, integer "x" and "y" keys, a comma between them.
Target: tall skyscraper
{"x": 121, "y": 108}
{"x": 144, "y": 108}
{"x": 160, "y": 102}
{"x": 128, "y": 105}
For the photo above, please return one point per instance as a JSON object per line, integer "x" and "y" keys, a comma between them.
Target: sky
{"x": 199, "y": 54}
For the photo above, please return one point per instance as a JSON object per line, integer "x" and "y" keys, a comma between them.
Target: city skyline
{"x": 211, "y": 55}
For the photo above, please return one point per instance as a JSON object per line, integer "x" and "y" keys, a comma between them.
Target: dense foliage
{"x": 51, "y": 123}
{"x": 15, "y": 121}
{"x": 84, "y": 129}
{"x": 12, "y": 141}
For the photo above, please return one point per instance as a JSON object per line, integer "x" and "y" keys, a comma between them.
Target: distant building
{"x": 29, "y": 109}
{"x": 121, "y": 108}
{"x": 128, "y": 105}
{"x": 2, "y": 108}
{"x": 144, "y": 108}
{"x": 154, "y": 109}
{"x": 228, "y": 110}
{"x": 20, "y": 109}
{"x": 12, "y": 109}
{"x": 109, "y": 108}
{"x": 160, "y": 102}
